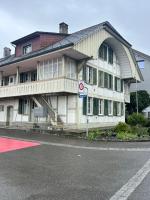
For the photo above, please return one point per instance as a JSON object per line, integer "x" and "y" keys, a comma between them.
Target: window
{"x": 109, "y": 107}
{"x": 100, "y": 79}
{"x": 27, "y": 49}
{"x": 103, "y": 52}
{"x": 117, "y": 108}
{"x": 118, "y": 84}
{"x": 90, "y": 106}
{"x": 101, "y": 106}
{"x": 34, "y": 76}
{"x": 71, "y": 69}
{"x": 23, "y": 106}
{"x": 1, "y": 108}
{"x": 90, "y": 75}
{"x": 106, "y": 53}
{"x": 50, "y": 69}
{"x": 110, "y": 55}
{"x": 24, "y": 77}
{"x": 108, "y": 81}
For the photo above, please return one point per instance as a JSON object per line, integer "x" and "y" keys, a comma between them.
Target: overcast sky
{"x": 21, "y": 17}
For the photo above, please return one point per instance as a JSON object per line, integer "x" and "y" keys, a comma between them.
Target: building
{"x": 39, "y": 83}
{"x": 143, "y": 61}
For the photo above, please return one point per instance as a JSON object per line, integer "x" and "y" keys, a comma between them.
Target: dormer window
{"x": 27, "y": 49}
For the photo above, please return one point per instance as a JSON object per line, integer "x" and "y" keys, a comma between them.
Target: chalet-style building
{"x": 39, "y": 83}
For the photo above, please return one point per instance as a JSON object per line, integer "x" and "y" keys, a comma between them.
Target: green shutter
{"x": 105, "y": 80}
{"x": 84, "y": 73}
{"x": 105, "y": 107}
{"x": 111, "y": 82}
{"x": 100, "y": 79}
{"x": 20, "y": 111}
{"x": 116, "y": 83}
{"x": 95, "y": 106}
{"x": 94, "y": 76}
{"x": 122, "y": 108}
{"x": 115, "y": 108}
{"x": 84, "y": 105}
{"x": 121, "y": 85}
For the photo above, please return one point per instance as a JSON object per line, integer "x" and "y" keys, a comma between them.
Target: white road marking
{"x": 132, "y": 184}
{"x": 84, "y": 147}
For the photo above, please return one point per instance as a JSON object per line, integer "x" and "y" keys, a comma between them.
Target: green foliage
{"x": 143, "y": 101}
{"x": 140, "y": 131}
{"x": 136, "y": 119}
{"x": 121, "y": 127}
{"x": 93, "y": 134}
{"x": 147, "y": 124}
{"x": 126, "y": 136}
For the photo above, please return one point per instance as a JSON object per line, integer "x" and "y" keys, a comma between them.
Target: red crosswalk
{"x": 7, "y": 144}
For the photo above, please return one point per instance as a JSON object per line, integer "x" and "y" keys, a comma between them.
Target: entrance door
{"x": 9, "y": 115}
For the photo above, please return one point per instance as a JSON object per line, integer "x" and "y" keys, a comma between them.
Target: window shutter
{"x": 121, "y": 85}
{"x": 94, "y": 76}
{"x": 20, "y": 111}
{"x": 105, "y": 107}
{"x": 95, "y": 106}
{"x": 111, "y": 82}
{"x": 99, "y": 78}
{"x": 116, "y": 83}
{"x": 84, "y": 105}
{"x": 122, "y": 108}
{"x": 84, "y": 73}
{"x": 115, "y": 108}
{"x": 105, "y": 80}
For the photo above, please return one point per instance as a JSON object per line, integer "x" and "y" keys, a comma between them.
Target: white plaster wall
{"x": 16, "y": 116}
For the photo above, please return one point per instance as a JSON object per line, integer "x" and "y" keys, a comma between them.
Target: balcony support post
{"x": 17, "y": 76}
{"x": 38, "y": 64}
{"x": 1, "y": 78}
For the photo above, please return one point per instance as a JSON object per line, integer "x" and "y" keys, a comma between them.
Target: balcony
{"x": 40, "y": 87}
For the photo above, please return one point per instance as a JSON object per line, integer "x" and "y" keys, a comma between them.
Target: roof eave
{"x": 37, "y": 54}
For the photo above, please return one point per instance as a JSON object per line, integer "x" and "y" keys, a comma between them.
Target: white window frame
{"x": 27, "y": 48}
{"x": 118, "y": 108}
{"x": 101, "y": 107}
{"x": 110, "y": 108}
{"x": 90, "y": 105}
{"x": 118, "y": 85}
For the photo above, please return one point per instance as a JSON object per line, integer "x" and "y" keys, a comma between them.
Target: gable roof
{"x": 141, "y": 54}
{"x": 36, "y": 34}
{"x": 68, "y": 41}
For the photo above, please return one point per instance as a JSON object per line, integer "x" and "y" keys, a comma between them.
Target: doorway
{"x": 9, "y": 115}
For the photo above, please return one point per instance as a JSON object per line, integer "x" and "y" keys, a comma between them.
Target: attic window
{"x": 106, "y": 53}
{"x": 27, "y": 49}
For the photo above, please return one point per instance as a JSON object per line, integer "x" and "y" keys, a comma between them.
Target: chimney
{"x": 6, "y": 52}
{"x": 63, "y": 28}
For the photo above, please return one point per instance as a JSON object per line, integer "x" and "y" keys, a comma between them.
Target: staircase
{"x": 54, "y": 118}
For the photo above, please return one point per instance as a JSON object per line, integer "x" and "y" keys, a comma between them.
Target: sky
{"x": 21, "y": 17}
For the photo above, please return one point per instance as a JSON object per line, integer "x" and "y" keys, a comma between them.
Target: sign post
{"x": 81, "y": 95}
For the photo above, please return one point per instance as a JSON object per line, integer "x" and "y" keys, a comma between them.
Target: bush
{"x": 126, "y": 136}
{"x": 93, "y": 134}
{"x": 136, "y": 119}
{"x": 147, "y": 124}
{"x": 140, "y": 131}
{"x": 121, "y": 127}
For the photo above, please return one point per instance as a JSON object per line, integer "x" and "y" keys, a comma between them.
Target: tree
{"x": 143, "y": 101}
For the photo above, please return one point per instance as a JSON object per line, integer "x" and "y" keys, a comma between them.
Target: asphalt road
{"x": 49, "y": 172}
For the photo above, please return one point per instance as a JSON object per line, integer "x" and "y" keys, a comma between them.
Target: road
{"x": 69, "y": 169}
